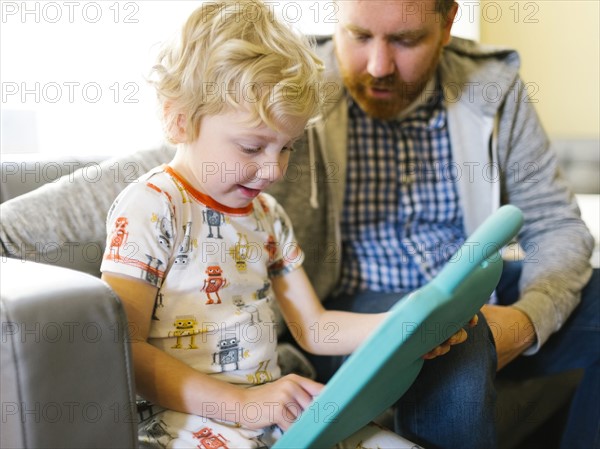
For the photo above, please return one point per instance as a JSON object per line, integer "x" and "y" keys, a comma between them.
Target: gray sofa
{"x": 67, "y": 377}
{"x": 50, "y": 262}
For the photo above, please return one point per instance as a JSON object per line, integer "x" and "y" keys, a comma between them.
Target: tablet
{"x": 380, "y": 371}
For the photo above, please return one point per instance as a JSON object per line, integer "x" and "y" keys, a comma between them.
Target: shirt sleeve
{"x": 557, "y": 243}
{"x": 140, "y": 238}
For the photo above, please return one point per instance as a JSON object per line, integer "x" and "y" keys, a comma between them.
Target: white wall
{"x": 559, "y": 44}
{"x": 72, "y": 73}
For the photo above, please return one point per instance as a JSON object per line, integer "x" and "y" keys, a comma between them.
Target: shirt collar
{"x": 426, "y": 98}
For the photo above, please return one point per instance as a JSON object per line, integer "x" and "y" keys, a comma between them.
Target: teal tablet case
{"x": 381, "y": 370}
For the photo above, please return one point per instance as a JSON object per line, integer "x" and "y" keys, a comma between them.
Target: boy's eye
{"x": 288, "y": 149}
{"x": 251, "y": 150}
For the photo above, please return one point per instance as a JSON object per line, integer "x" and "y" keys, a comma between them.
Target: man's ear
{"x": 447, "y": 25}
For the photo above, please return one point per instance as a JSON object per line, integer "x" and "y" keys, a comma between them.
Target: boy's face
{"x": 232, "y": 161}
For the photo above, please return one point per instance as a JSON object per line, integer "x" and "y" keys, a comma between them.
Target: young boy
{"x": 198, "y": 254}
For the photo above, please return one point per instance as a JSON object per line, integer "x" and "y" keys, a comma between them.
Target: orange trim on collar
{"x": 205, "y": 199}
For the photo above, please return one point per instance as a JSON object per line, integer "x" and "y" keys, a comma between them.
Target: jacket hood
{"x": 480, "y": 76}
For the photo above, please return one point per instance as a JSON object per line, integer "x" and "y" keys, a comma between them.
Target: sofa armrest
{"x": 67, "y": 377}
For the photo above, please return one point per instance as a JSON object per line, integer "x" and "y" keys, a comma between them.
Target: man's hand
{"x": 457, "y": 338}
{"x": 512, "y": 330}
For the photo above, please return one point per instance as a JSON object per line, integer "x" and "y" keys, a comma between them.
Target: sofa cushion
{"x": 41, "y": 226}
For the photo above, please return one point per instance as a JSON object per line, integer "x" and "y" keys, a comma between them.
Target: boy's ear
{"x": 176, "y": 125}
{"x": 179, "y": 129}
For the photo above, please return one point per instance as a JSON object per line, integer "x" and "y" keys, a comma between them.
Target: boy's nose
{"x": 381, "y": 60}
{"x": 271, "y": 171}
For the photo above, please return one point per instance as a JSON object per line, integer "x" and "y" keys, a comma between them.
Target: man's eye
{"x": 358, "y": 36}
{"x": 407, "y": 42}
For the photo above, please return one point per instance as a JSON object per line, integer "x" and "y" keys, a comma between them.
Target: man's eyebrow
{"x": 407, "y": 34}
{"x": 356, "y": 29}
{"x": 404, "y": 34}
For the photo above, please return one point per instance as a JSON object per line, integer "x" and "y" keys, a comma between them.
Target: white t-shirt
{"x": 212, "y": 265}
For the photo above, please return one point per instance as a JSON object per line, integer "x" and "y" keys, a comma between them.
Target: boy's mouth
{"x": 248, "y": 192}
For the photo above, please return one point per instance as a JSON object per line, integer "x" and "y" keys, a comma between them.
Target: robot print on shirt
{"x": 261, "y": 375}
{"x": 208, "y": 440}
{"x": 156, "y": 432}
{"x": 229, "y": 353}
{"x": 240, "y": 253}
{"x": 261, "y": 293}
{"x": 185, "y": 326}
{"x": 164, "y": 230}
{"x": 241, "y": 306}
{"x": 214, "y": 219}
{"x": 151, "y": 270}
{"x": 118, "y": 237}
{"x": 186, "y": 247}
{"x": 158, "y": 303}
{"x": 213, "y": 283}
{"x": 263, "y": 204}
{"x": 182, "y": 192}
{"x": 271, "y": 248}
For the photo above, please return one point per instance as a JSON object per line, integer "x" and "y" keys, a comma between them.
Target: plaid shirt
{"x": 402, "y": 219}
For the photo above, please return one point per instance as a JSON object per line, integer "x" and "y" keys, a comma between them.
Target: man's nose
{"x": 381, "y": 60}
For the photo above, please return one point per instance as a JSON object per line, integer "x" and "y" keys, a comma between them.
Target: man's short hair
{"x": 444, "y": 6}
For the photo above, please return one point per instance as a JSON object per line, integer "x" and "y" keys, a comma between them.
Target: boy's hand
{"x": 457, "y": 338}
{"x": 280, "y": 402}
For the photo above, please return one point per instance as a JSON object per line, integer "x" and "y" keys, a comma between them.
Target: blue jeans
{"x": 452, "y": 402}
{"x": 452, "y": 396}
{"x": 575, "y": 346}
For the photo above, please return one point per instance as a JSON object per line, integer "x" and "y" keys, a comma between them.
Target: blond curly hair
{"x": 237, "y": 54}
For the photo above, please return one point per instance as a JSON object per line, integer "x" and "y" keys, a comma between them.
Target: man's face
{"x": 388, "y": 50}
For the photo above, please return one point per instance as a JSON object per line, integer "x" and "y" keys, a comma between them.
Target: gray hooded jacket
{"x": 502, "y": 155}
